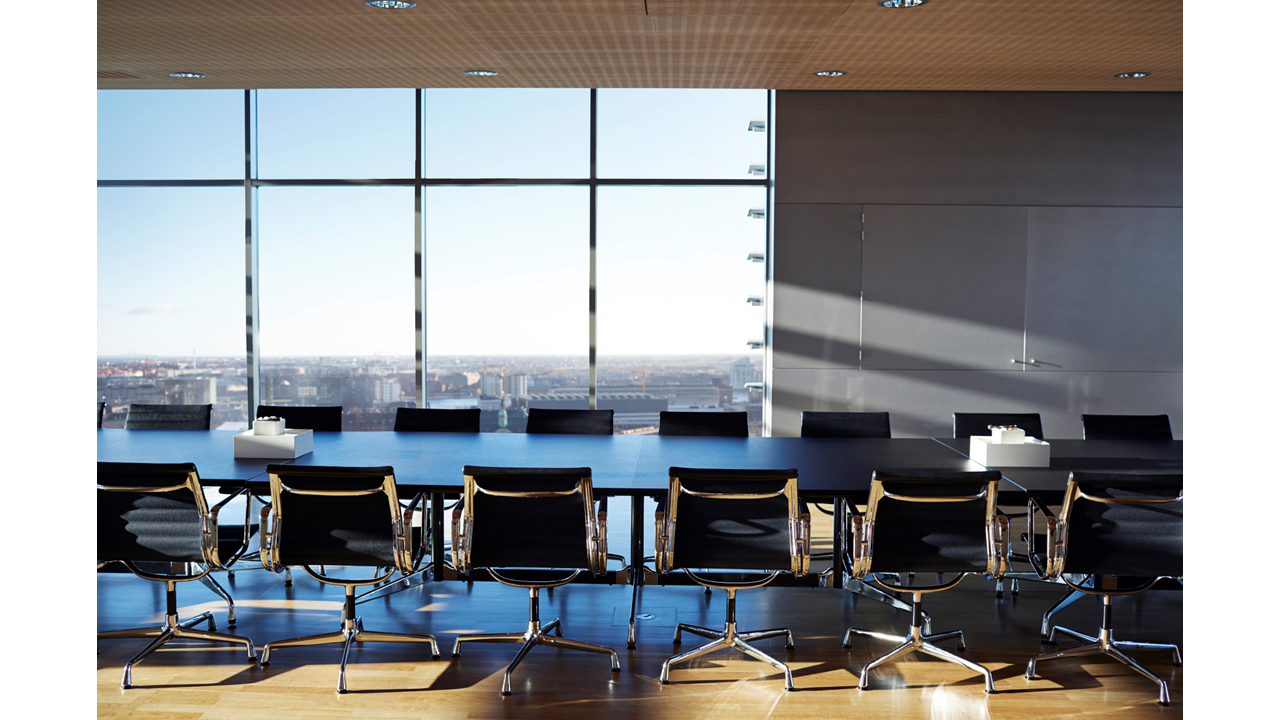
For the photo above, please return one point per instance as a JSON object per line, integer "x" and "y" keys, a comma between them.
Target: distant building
{"x": 742, "y": 371}
{"x": 517, "y": 385}
{"x": 390, "y": 390}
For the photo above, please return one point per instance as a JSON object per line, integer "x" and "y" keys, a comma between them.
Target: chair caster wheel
{"x": 342, "y": 691}
{"x": 791, "y": 689}
{"x": 457, "y": 655}
{"x": 263, "y": 664}
{"x": 617, "y": 669}
{"x": 435, "y": 657}
{"x": 1164, "y": 704}
{"x": 664, "y": 682}
{"x": 789, "y": 647}
{"x": 506, "y": 693}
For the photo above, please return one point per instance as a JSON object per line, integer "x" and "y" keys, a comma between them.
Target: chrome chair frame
{"x": 352, "y": 627}
{"x": 535, "y": 633}
{"x": 172, "y": 627}
{"x": 665, "y": 527}
{"x": 1104, "y": 643}
{"x": 862, "y": 533}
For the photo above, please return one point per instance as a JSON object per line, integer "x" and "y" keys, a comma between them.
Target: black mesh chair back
{"x": 932, "y": 522}
{"x": 328, "y": 515}
{"x": 844, "y": 424}
{"x": 320, "y": 418}
{"x": 151, "y": 512}
{"x": 969, "y": 424}
{"x": 528, "y": 518}
{"x": 734, "y": 519}
{"x": 437, "y": 420}
{"x": 102, "y": 408}
{"x": 700, "y": 424}
{"x": 168, "y": 417}
{"x": 1124, "y": 524}
{"x": 546, "y": 421}
{"x": 1127, "y": 427}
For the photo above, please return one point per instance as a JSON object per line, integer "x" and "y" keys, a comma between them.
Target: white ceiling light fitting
{"x": 480, "y": 73}
{"x": 1132, "y": 75}
{"x": 390, "y": 4}
{"x": 829, "y": 73}
{"x": 186, "y": 75}
{"x": 901, "y": 3}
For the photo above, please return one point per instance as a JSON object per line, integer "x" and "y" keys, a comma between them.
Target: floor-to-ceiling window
{"x": 500, "y": 249}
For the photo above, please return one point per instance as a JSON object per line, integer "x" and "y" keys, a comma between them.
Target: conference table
{"x": 829, "y": 469}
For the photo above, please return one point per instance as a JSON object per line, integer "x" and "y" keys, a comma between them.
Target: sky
{"x": 506, "y": 267}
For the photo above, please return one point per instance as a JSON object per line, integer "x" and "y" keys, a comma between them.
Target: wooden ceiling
{"x": 1056, "y": 45}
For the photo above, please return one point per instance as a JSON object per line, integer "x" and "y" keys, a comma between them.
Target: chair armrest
{"x": 804, "y": 539}
{"x": 406, "y": 555}
{"x": 598, "y": 543}
{"x": 858, "y": 542}
{"x": 461, "y": 541}
{"x": 661, "y": 553}
{"x": 1000, "y": 558}
{"x": 211, "y": 532}
{"x": 266, "y": 541}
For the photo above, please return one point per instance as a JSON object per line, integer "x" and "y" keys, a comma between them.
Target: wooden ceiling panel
{"x": 1056, "y": 45}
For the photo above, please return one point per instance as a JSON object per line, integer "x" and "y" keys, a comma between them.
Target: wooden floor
{"x": 191, "y": 679}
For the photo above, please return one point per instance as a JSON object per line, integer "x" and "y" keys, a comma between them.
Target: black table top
{"x": 1049, "y": 484}
{"x": 212, "y": 451}
{"x": 637, "y": 464}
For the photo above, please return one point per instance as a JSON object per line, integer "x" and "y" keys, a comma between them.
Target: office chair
{"x": 545, "y": 421}
{"x": 968, "y": 424}
{"x": 193, "y": 417}
{"x": 1126, "y": 427}
{"x": 339, "y": 516}
{"x": 320, "y": 418}
{"x": 168, "y": 417}
{"x": 154, "y": 516}
{"x": 437, "y": 420}
{"x": 502, "y": 510}
{"x": 929, "y": 521}
{"x": 703, "y": 424}
{"x": 731, "y": 520}
{"x": 1115, "y": 524}
{"x": 844, "y": 424}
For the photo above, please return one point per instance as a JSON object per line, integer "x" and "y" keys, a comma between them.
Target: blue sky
{"x": 506, "y": 266}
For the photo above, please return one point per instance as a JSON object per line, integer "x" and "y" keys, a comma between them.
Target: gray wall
{"x": 977, "y": 252}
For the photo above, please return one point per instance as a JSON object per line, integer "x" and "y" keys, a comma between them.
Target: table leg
{"x": 437, "y": 536}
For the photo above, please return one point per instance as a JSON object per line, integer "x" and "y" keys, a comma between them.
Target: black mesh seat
{"x": 927, "y": 522}
{"x": 340, "y": 516}
{"x": 1124, "y": 525}
{"x": 1126, "y": 427}
{"x": 844, "y": 424}
{"x": 153, "y": 520}
{"x": 437, "y": 420}
{"x": 703, "y": 424}
{"x": 320, "y": 418}
{"x": 969, "y": 424}
{"x": 502, "y": 511}
{"x": 731, "y": 520}
{"x": 546, "y": 421}
{"x": 168, "y": 417}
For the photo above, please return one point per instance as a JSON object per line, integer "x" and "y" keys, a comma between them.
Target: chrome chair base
{"x": 916, "y": 641}
{"x": 537, "y": 634}
{"x": 1105, "y": 645}
{"x": 352, "y": 631}
{"x": 170, "y": 630}
{"x": 729, "y": 638}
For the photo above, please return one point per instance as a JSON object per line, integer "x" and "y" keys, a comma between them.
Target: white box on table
{"x": 1031, "y": 452}
{"x": 285, "y": 446}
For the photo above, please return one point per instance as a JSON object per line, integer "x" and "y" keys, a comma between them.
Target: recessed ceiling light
{"x": 1133, "y": 75}
{"x": 390, "y": 4}
{"x": 829, "y": 73}
{"x": 481, "y": 73}
{"x": 186, "y": 74}
{"x": 900, "y": 3}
